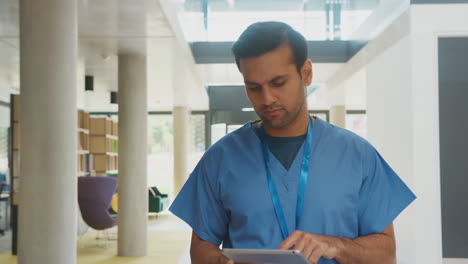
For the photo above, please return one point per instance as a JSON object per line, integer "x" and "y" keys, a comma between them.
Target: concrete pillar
{"x": 336, "y": 97}
{"x": 182, "y": 83}
{"x": 48, "y": 133}
{"x": 181, "y": 115}
{"x": 338, "y": 115}
{"x": 132, "y": 186}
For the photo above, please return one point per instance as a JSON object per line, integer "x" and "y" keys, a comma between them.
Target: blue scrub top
{"x": 351, "y": 190}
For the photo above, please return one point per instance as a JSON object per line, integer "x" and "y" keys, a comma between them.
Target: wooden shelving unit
{"x": 104, "y": 146}
{"x": 83, "y": 144}
{"x": 14, "y": 148}
{"x": 14, "y": 166}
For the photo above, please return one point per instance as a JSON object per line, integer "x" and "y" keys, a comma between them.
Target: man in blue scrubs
{"x": 290, "y": 181}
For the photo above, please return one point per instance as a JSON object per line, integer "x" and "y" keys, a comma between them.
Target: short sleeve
{"x": 198, "y": 203}
{"x": 383, "y": 195}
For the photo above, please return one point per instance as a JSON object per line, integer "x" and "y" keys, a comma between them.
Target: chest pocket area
{"x": 331, "y": 204}
{"x": 252, "y": 217}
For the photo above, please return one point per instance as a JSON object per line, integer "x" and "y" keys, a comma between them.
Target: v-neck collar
{"x": 289, "y": 179}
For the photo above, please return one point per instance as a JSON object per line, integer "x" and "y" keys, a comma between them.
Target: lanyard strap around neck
{"x": 302, "y": 182}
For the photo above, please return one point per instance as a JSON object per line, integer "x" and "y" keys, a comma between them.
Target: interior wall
{"x": 426, "y": 27}
{"x": 80, "y": 86}
{"x": 403, "y": 120}
{"x": 159, "y": 76}
{"x": 189, "y": 89}
{"x": 355, "y": 91}
{"x": 99, "y": 99}
{"x": 389, "y": 126}
{"x": 171, "y": 79}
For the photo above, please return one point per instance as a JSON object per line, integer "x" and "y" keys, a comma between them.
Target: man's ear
{"x": 307, "y": 73}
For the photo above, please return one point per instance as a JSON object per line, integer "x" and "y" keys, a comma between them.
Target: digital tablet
{"x": 265, "y": 256}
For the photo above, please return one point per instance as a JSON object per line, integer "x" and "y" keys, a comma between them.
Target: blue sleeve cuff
{"x": 190, "y": 221}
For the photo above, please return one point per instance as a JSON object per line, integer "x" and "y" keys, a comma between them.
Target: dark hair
{"x": 262, "y": 37}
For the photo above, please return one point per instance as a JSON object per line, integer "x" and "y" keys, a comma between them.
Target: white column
{"x": 48, "y": 188}
{"x": 183, "y": 83}
{"x": 336, "y": 97}
{"x": 338, "y": 115}
{"x": 132, "y": 186}
{"x": 181, "y": 115}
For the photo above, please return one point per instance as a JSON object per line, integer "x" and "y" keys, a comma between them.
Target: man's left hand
{"x": 313, "y": 246}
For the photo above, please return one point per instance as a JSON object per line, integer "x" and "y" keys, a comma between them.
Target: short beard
{"x": 287, "y": 119}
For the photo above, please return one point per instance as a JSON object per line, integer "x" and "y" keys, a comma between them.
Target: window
{"x": 161, "y": 152}
{"x": 161, "y": 148}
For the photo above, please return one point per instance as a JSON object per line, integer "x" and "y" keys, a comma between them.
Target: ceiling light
{"x": 247, "y": 109}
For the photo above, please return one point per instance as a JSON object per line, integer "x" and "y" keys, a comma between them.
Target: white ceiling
{"x": 107, "y": 27}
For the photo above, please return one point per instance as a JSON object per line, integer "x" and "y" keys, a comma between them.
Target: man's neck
{"x": 296, "y": 128}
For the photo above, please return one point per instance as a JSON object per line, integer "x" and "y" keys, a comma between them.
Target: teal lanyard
{"x": 302, "y": 183}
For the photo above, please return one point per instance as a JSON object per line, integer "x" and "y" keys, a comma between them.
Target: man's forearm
{"x": 376, "y": 248}
{"x": 203, "y": 252}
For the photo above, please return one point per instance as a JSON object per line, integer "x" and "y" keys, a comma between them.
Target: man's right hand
{"x": 204, "y": 252}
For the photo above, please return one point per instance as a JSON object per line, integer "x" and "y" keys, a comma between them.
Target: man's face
{"x": 274, "y": 87}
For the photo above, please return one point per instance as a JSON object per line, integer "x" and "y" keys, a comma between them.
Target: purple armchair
{"x": 94, "y": 198}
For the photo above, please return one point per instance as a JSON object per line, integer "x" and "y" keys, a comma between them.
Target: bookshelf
{"x": 104, "y": 145}
{"x": 14, "y": 148}
{"x": 83, "y": 144}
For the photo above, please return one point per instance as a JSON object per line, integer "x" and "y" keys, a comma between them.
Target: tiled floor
{"x": 168, "y": 242}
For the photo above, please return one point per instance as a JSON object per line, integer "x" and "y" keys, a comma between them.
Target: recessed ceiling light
{"x": 247, "y": 109}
